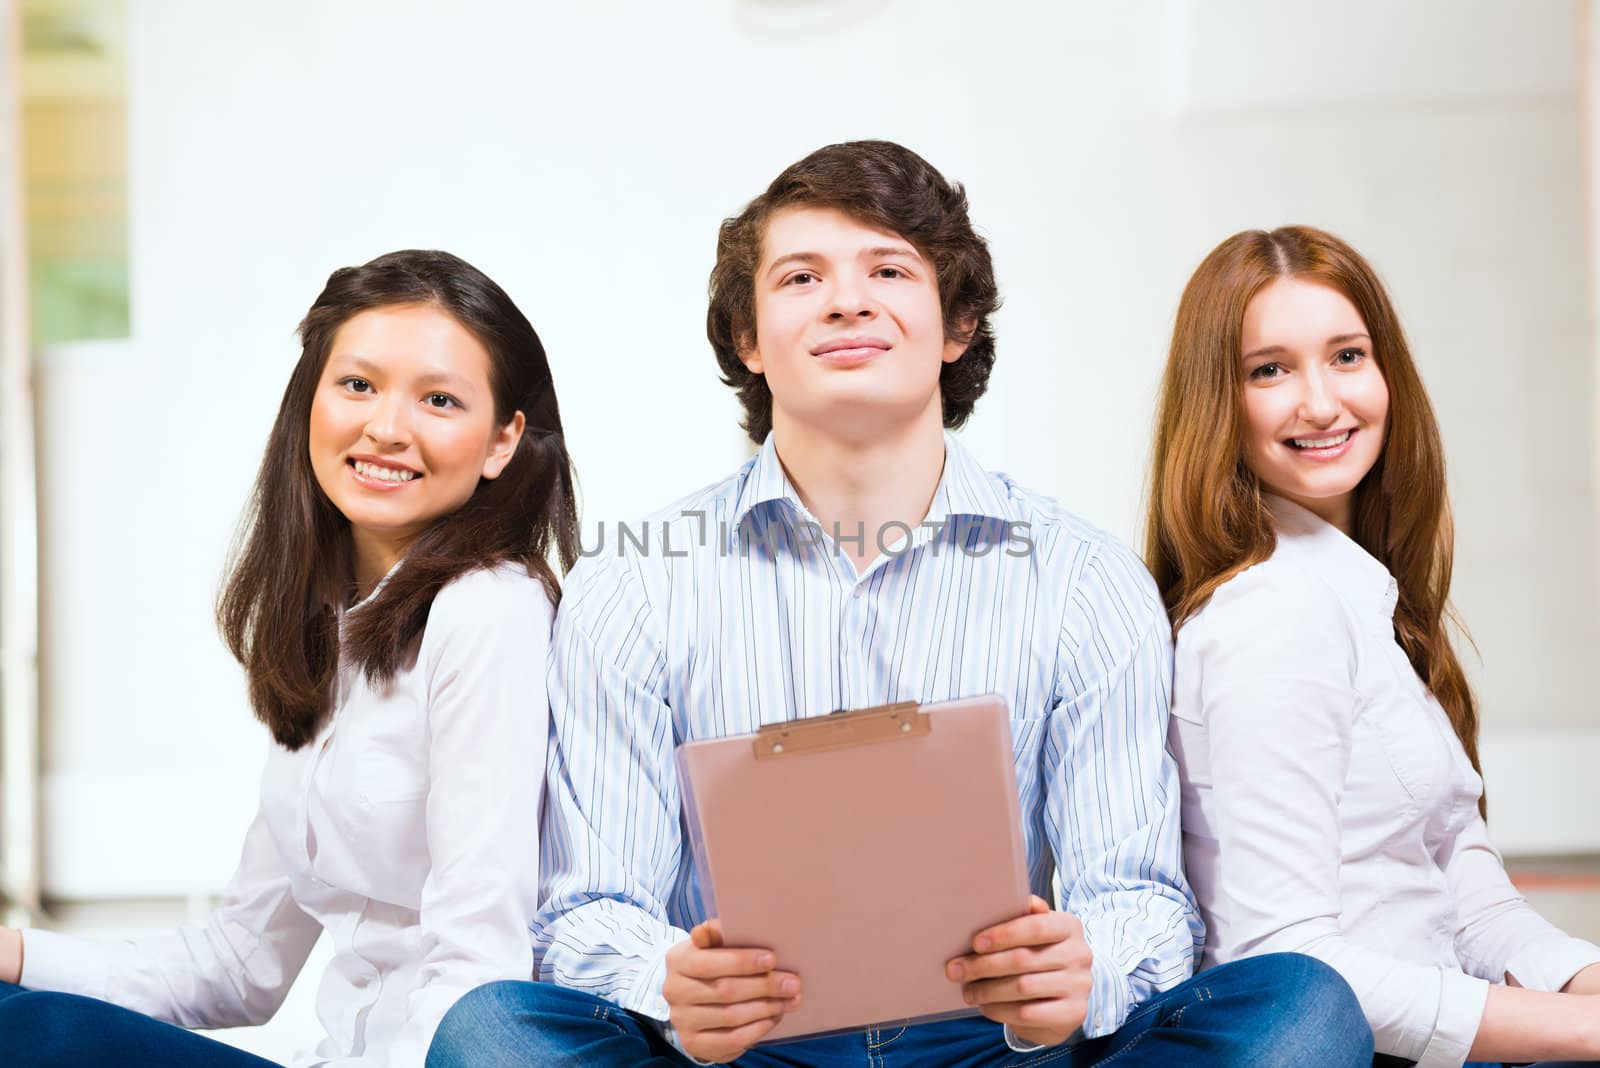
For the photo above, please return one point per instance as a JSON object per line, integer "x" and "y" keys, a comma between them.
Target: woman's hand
{"x": 1031, "y": 972}
{"x": 10, "y": 955}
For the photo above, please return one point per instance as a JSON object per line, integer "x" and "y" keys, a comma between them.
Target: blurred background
{"x": 178, "y": 177}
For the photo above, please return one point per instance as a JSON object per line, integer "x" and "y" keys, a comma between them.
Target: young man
{"x": 863, "y": 557}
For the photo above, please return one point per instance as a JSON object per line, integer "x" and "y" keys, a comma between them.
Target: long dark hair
{"x": 291, "y": 568}
{"x": 1207, "y": 521}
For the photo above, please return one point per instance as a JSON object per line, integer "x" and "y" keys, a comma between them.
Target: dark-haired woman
{"x": 391, "y": 603}
{"x": 1300, "y": 534}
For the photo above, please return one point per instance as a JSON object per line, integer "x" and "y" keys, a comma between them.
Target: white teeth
{"x": 1321, "y": 443}
{"x": 387, "y": 474}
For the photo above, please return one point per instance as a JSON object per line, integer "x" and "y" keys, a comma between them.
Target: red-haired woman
{"x": 391, "y": 603}
{"x": 1300, "y": 534}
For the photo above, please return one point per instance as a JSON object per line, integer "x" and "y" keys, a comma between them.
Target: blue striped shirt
{"x": 727, "y": 611}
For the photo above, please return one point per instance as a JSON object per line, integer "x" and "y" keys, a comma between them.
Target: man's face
{"x": 849, "y": 331}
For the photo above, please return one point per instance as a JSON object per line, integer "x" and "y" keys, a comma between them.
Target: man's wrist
{"x": 1040, "y": 1038}
{"x": 10, "y": 955}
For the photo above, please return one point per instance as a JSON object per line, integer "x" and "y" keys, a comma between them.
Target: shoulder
{"x": 490, "y": 598}
{"x": 1278, "y": 624}
{"x": 1283, "y": 594}
{"x": 635, "y": 556}
{"x": 1093, "y": 563}
{"x": 1107, "y": 599}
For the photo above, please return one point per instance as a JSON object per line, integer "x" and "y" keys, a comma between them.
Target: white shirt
{"x": 408, "y": 831}
{"x": 1329, "y": 809}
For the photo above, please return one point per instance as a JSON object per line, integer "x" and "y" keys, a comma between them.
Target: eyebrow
{"x": 869, "y": 253}
{"x": 1273, "y": 350}
{"x": 432, "y": 378}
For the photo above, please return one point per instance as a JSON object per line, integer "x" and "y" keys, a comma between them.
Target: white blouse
{"x": 1329, "y": 809}
{"x": 408, "y": 831}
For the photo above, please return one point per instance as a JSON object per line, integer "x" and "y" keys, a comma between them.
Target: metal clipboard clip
{"x": 839, "y": 730}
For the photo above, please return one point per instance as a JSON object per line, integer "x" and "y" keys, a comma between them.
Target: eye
{"x": 356, "y": 385}
{"x": 1349, "y": 357}
{"x": 1268, "y": 371}
{"x": 890, "y": 272}
{"x": 800, "y": 278}
{"x": 441, "y": 401}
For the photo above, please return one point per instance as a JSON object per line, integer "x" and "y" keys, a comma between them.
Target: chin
{"x": 381, "y": 521}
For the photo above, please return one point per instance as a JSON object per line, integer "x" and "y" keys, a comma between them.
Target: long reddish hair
{"x": 1207, "y": 521}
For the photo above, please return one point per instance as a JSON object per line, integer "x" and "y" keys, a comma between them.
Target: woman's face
{"x": 403, "y": 422}
{"x": 1315, "y": 403}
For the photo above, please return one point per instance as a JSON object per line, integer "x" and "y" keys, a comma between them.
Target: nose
{"x": 390, "y": 422}
{"x": 1319, "y": 399}
{"x": 849, "y": 299}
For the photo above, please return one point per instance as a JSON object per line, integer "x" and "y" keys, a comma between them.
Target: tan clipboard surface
{"x": 865, "y": 848}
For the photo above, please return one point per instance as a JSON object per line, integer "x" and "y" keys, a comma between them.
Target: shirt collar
{"x": 1352, "y": 570}
{"x": 965, "y": 488}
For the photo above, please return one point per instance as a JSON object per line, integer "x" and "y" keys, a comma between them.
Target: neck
{"x": 1336, "y": 511}
{"x": 862, "y": 485}
{"x": 374, "y": 554}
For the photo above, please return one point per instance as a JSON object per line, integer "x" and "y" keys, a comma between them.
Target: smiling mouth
{"x": 1328, "y": 441}
{"x": 380, "y": 473}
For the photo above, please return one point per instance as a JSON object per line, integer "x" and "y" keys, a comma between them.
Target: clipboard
{"x": 865, "y": 849}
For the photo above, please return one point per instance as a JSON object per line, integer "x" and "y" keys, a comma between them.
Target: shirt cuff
{"x": 1544, "y": 965}
{"x": 644, "y": 996}
{"x": 1108, "y": 997}
{"x": 670, "y": 1033}
{"x": 59, "y": 962}
{"x": 1018, "y": 1045}
{"x": 1461, "y": 1000}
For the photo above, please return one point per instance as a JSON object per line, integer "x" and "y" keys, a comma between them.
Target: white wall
{"x": 583, "y": 155}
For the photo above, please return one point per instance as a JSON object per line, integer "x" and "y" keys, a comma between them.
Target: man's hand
{"x": 724, "y": 1000}
{"x": 1031, "y": 973}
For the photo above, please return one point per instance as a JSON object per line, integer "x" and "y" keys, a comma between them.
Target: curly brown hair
{"x": 880, "y": 184}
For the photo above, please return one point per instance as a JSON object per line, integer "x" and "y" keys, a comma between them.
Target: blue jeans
{"x": 1384, "y": 1060}
{"x": 39, "y": 1029}
{"x": 1276, "y": 1010}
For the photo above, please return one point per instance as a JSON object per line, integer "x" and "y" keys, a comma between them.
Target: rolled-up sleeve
{"x": 233, "y": 969}
{"x": 1112, "y": 796}
{"x": 1500, "y": 934}
{"x": 612, "y": 841}
{"x": 489, "y": 638}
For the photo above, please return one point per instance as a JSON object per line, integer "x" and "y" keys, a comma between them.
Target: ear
{"x": 953, "y": 349}
{"x": 749, "y": 354}
{"x": 503, "y": 446}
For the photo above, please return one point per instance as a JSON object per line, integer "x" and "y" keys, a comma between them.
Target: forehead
{"x": 407, "y": 335}
{"x": 1290, "y": 311}
{"x": 825, "y": 231}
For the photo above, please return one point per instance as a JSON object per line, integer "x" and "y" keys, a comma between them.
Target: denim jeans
{"x": 1276, "y": 1010}
{"x": 1383, "y": 1060}
{"x": 39, "y": 1029}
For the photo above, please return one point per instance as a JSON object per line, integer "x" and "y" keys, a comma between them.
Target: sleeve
{"x": 613, "y": 842}
{"x": 233, "y": 969}
{"x": 486, "y": 645}
{"x": 1279, "y": 704}
{"x": 1499, "y": 931}
{"x": 1112, "y": 798}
